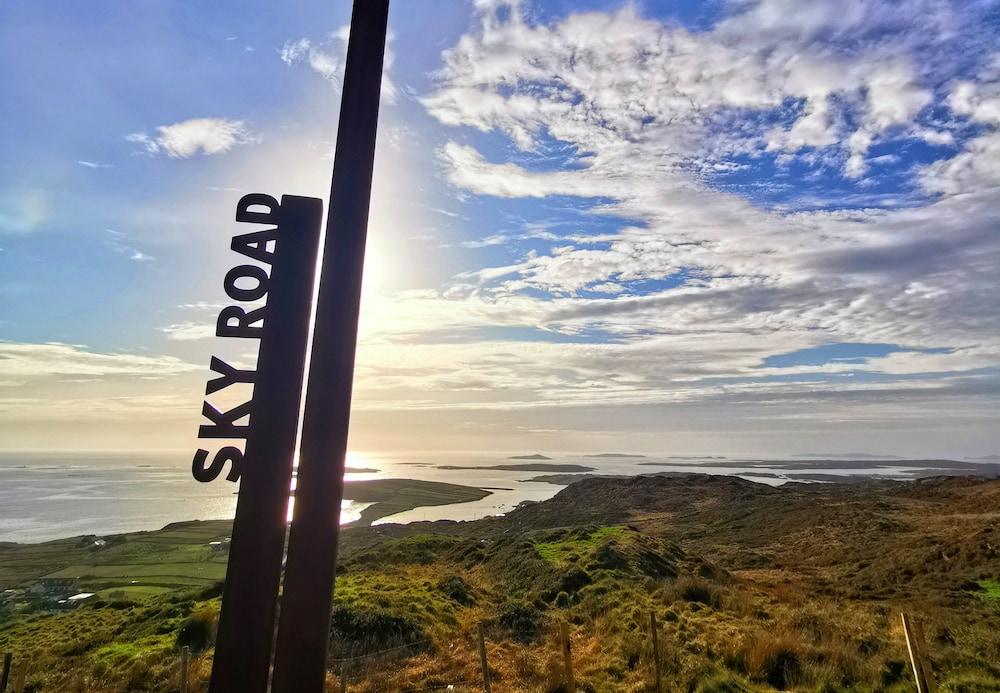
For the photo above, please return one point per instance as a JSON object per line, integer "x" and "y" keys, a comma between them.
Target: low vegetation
{"x": 751, "y": 588}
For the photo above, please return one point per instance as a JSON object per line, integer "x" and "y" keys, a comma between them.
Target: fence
{"x": 20, "y": 674}
{"x": 551, "y": 655}
{"x": 552, "y": 651}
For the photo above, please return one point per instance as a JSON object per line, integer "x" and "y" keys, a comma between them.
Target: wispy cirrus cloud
{"x": 181, "y": 140}
{"x": 121, "y": 244}
{"x": 93, "y": 164}
{"x": 326, "y": 58}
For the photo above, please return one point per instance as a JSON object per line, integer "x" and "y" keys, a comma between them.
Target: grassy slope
{"x": 754, "y": 589}
{"x": 178, "y": 555}
{"x": 173, "y": 557}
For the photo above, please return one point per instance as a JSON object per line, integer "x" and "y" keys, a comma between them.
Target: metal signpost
{"x": 307, "y": 597}
{"x": 246, "y": 623}
{"x": 264, "y": 467}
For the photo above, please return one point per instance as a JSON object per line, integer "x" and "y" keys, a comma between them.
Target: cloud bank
{"x": 794, "y": 178}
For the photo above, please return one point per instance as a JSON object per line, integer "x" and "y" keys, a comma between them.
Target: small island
{"x": 392, "y": 496}
{"x": 847, "y": 456}
{"x": 536, "y": 456}
{"x": 528, "y": 467}
{"x": 561, "y": 479}
{"x": 615, "y": 454}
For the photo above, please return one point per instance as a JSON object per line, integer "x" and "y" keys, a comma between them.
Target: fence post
{"x": 185, "y": 654}
{"x": 343, "y": 676}
{"x": 482, "y": 659}
{"x": 656, "y": 649}
{"x": 568, "y": 656}
{"x": 20, "y": 676}
{"x": 6, "y": 671}
{"x": 923, "y": 654}
{"x": 919, "y": 657}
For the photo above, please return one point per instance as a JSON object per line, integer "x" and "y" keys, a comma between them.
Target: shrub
{"x": 358, "y": 631}
{"x": 781, "y": 668}
{"x": 198, "y": 631}
{"x": 522, "y": 622}
{"x": 701, "y": 592}
{"x": 571, "y": 582}
{"x": 457, "y": 589}
{"x": 775, "y": 660}
{"x": 210, "y": 592}
{"x": 893, "y": 672}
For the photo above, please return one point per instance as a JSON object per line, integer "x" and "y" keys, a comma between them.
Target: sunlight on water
{"x": 350, "y": 511}
{"x": 47, "y": 496}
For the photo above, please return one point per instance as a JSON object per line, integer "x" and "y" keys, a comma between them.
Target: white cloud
{"x": 294, "y": 50}
{"x": 117, "y": 244}
{"x": 815, "y": 128}
{"x": 977, "y": 167}
{"x": 202, "y": 306}
{"x": 93, "y": 164}
{"x": 495, "y": 239}
{"x": 188, "y": 331}
{"x": 207, "y": 135}
{"x": 656, "y": 85}
{"x": 40, "y": 360}
{"x": 327, "y": 59}
{"x": 648, "y": 108}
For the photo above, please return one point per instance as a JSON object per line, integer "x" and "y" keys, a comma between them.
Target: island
{"x": 847, "y": 456}
{"x": 536, "y": 456}
{"x": 392, "y": 496}
{"x": 537, "y": 467}
{"x": 561, "y": 479}
{"x": 615, "y": 454}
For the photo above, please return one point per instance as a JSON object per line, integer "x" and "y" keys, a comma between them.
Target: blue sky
{"x": 744, "y": 226}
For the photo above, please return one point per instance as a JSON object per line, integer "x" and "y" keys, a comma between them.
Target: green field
{"x": 144, "y": 563}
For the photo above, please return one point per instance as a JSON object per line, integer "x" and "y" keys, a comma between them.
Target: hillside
{"x": 753, "y": 587}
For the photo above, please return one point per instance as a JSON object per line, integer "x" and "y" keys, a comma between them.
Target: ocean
{"x": 46, "y": 496}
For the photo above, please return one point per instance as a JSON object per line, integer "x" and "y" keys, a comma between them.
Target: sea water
{"x": 47, "y": 496}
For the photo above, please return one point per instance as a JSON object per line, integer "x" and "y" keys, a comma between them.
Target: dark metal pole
{"x": 249, "y": 599}
{"x": 307, "y": 595}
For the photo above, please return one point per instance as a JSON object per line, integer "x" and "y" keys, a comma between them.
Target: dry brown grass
{"x": 810, "y": 602}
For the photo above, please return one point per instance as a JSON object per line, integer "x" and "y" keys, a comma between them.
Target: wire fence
{"x": 491, "y": 657}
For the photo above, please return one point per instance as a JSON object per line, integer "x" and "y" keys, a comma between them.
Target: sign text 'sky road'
{"x": 288, "y": 246}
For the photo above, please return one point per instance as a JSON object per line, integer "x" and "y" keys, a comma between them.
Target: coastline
{"x": 46, "y": 497}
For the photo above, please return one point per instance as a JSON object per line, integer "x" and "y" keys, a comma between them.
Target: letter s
{"x": 210, "y": 473}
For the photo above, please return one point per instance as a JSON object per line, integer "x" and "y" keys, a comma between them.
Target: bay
{"x": 53, "y": 495}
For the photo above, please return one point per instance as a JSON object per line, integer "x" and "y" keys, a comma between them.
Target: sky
{"x": 758, "y": 227}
